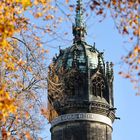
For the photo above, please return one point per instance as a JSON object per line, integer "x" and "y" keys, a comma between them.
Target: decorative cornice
{"x": 91, "y": 107}
{"x": 81, "y": 117}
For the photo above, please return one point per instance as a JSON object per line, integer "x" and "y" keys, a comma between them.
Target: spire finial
{"x": 79, "y": 27}
{"x": 79, "y": 14}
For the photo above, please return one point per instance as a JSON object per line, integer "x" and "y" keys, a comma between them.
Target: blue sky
{"x": 126, "y": 102}
{"x": 107, "y": 39}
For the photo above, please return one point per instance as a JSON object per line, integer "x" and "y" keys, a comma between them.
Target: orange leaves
{"x": 136, "y": 32}
{"x": 10, "y": 66}
{"x": 125, "y": 30}
{"x": 44, "y": 112}
{"x": 28, "y": 136}
{"x": 8, "y": 28}
{"x": 27, "y": 115}
{"x": 100, "y": 12}
{"x": 126, "y": 16}
{"x": 139, "y": 60}
{"x": 114, "y": 2}
{"x": 37, "y": 2}
{"x": 24, "y": 3}
{"x": 21, "y": 64}
{"x": 67, "y": 1}
{"x": 38, "y": 44}
{"x": 10, "y": 24}
{"x": 49, "y": 112}
{"x": 6, "y": 103}
{"x": 137, "y": 49}
{"x": 96, "y": 3}
{"x": 41, "y": 8}
{"x": 124, "y": 75}
{"x": 133, "y": 62}
{"x": 134, "y": 54}
{"x": 4, "y": 134}
{"x": 49, "y": 17}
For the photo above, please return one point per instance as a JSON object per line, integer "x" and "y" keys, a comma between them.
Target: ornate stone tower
{"x": 80, "y": 90}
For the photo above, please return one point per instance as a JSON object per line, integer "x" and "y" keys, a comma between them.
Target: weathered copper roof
{"x": 80, "y": 56}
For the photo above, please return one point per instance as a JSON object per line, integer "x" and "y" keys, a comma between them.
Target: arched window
{"x": 98, "y": 86}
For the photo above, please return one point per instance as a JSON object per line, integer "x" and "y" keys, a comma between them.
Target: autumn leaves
{"x": 19, "y": 77}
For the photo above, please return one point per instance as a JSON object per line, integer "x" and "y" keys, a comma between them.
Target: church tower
{"x": 80, "y": 90}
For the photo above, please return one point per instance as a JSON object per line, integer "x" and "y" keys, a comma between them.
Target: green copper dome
{"x": 80, "y": 56}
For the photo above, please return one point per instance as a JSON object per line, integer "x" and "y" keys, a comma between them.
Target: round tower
{"x": 80, "y": 90}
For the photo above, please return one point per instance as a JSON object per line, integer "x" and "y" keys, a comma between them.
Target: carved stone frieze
{"x": 82, "y": 117}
